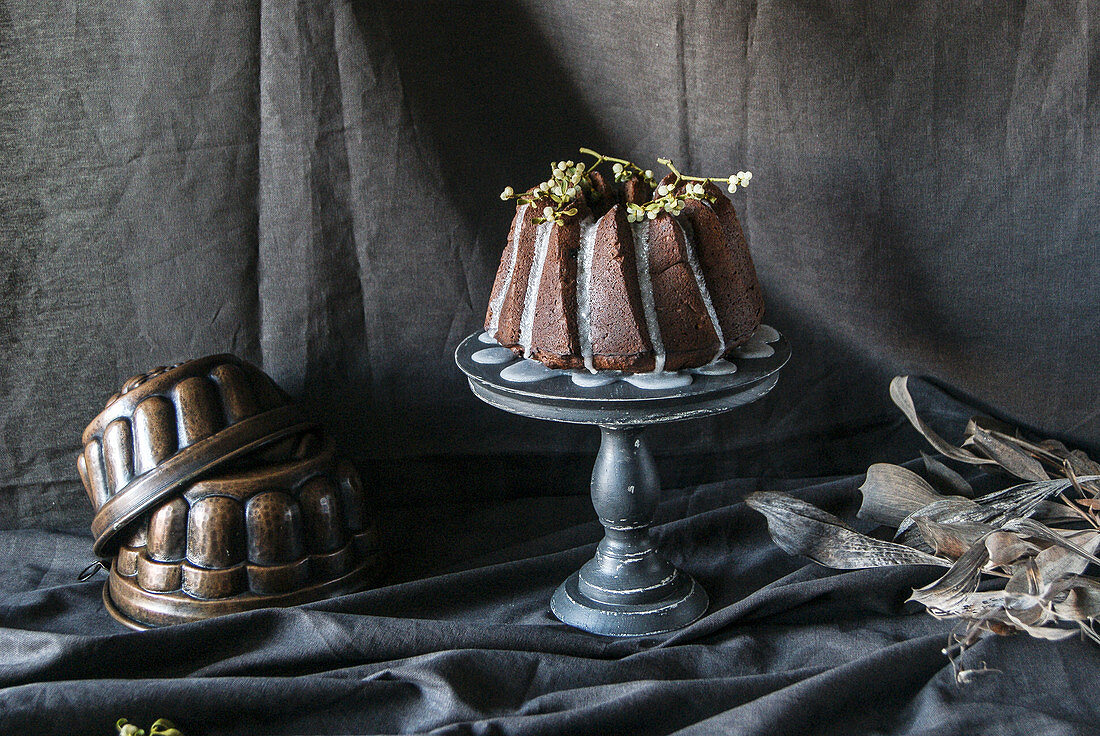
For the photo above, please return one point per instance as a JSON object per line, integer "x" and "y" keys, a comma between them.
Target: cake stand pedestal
{"x": 627, "y": 589}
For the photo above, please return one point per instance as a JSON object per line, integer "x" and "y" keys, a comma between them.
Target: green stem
{"x": 600, "y": 158}
{"x": 671, "y": 167}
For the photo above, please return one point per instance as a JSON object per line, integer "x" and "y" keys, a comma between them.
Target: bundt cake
{"x": 630, "y": 275}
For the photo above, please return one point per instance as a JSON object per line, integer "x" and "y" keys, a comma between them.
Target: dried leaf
{"x": 1051, "y": 633}
{"x": 950, "y": 540}
{"x": 1046, "y": 595}
{"x": 1082, "y": 602}
{"x": 996, "y": 508}
{"x": 1057, "y": 562}
{"x": 980, "y": 422}
{"x": 1024, "y": 583}
{"x": 1018, "y": 501}
{"x": 1037, "y": 530}
{"x": 945, "y": 595}
{"x": 947, "y": 510}
{"x": 1050, "y": 512}
{"x": 899, "y": 393}
{"x": 975, "y": 605}
{"x": 1008, "y": 455}
{"x": 1026, "y": 611}
{"x": 891, "y": 493}
{"x": 1083, "y": 489}
{"x": 1081, "y": 463}
{"x": 1005, "y": 548}
{"x": 947, "y": 480}
{"x": 800, "y": 528}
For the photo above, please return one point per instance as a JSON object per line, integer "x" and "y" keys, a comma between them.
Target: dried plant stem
{"x": 1091, "y": 522}
{"x": 1047, "y": 594}
{"x": 1040, "y": 453}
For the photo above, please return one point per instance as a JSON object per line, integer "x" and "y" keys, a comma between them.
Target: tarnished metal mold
{"x": 171, "y": 425}
{"x": 205, "y": 518}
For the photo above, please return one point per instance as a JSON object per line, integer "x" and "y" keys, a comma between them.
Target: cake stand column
{"x": 627, "y": 589}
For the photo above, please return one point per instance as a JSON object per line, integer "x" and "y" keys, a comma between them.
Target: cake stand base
{"x": 576, "y": 609}
{"x": 627, "y": 589}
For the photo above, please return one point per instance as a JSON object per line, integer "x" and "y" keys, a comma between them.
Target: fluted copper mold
{"x": 275, "y": 535}
{"x": 172, "y": 425}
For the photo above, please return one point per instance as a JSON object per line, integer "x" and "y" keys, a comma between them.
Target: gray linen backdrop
{"x": 313, "y": 186}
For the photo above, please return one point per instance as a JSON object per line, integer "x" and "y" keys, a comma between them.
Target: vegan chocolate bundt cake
{"x": 631, "y": 275}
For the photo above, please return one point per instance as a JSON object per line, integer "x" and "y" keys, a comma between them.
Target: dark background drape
{"x": 313, "y": 186}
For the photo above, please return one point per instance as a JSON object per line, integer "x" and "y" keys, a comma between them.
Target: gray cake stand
{"x": 627, "y": 589}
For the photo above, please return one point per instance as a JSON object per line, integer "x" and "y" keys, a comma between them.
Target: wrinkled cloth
{"x": 313, "y": 186}
{"x": 459, "y": 639}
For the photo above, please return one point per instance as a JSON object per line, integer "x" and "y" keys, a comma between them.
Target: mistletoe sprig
{"x": 622, "y": 169}
{"x": 160, "y": 727}
{"x": 672, "y": 201}
{"x": 568, "y": 179}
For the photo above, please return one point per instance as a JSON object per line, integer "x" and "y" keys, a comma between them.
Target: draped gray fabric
{"x": 313, "y": 186}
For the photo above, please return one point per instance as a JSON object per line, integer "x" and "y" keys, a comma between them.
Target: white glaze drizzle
{"x": 584, "y": 278}
{"x": 718, "y": 367}
{"x": 498, "y": 302}
{"x": 754, "y": 348}
{"x": 534, "y": 280}
{"x": 757, "y": 345}
{"x": 585, "y": 379}
{"x": 641, "y": 260}
{"x": 697, "y": 271}
{"x": 656, "y": 381}
{"x": 767, "y": 333}
{"x": 531, "y": 371}
{"x": 493, "y": 356}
